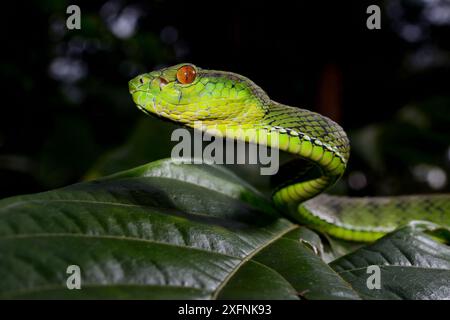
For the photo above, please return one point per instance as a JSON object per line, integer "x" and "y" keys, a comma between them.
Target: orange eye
{"x": 186, "y": 74}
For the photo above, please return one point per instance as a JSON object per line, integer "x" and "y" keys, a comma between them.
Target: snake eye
{"x": 186, "y": 74}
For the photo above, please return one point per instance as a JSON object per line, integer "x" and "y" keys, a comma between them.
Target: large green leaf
{"x": 413, "y": 264}
{"x": 163, "y": 230}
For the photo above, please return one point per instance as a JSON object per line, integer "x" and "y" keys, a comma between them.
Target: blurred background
{"x": 66, "y": 113}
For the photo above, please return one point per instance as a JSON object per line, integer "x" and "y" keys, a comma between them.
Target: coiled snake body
{"x": 228, "y": 104}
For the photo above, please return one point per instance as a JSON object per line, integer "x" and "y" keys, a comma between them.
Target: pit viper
{"x": 230, "y": 105}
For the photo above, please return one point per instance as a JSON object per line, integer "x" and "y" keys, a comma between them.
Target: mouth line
{"x": 137, "y": 90}
{"x": 140, "y": 107}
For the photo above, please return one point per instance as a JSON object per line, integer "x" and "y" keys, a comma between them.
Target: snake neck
{"x": 314, "y": 138}
{"x": 305, "y": 134}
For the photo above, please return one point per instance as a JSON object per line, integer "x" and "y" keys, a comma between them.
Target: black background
{"x": 313, "y": 54}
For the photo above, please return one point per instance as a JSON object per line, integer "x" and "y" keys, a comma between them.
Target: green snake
{"x": 228, "y": 104}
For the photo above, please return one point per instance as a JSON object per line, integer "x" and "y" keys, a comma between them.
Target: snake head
{"x": 185, "y": 93}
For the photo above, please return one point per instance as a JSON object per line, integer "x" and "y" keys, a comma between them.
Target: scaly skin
{"x": 230, "y": 105}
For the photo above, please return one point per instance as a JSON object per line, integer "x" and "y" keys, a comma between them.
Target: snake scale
{"x": 227, "y": 104}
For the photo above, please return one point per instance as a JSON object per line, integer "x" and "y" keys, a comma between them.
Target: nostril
{"x": 141, "y": 80}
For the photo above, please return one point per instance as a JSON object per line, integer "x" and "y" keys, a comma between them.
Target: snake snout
{"x": 133, "y": 85}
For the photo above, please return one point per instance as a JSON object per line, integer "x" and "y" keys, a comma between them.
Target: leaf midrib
{"x": 247, "y": 258}
{"x": 215, "y": 292}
